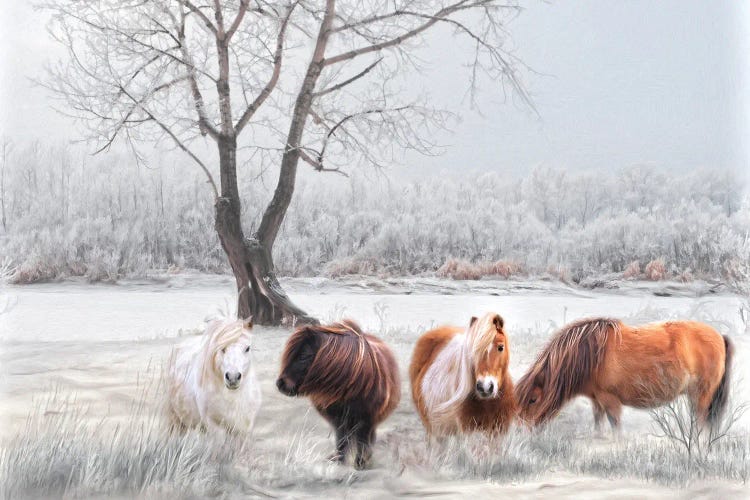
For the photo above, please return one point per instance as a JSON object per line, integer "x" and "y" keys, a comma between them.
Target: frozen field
{"x": 83, "y": 359}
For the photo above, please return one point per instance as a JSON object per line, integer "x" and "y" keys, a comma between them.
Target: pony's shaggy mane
{"x": 219, "y": 334}
{"x": 450, "y": 378}
{"x": 347, "y": 365}
{"x": 566, "y": 364}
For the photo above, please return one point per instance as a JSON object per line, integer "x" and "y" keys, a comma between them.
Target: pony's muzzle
{"x": 232, "y": 379}
{"x": 486, "y": 387}
{"x": 286, "y": 387}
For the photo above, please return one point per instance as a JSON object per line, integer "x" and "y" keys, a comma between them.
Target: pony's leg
{"x": 365, "y": 436}
{"x": 216, "y": 431}
{"x": 613, "y": 408}
{"x": 700, "y": 399}
{"x": 599, "y": 413}
{"x": 343, "y": 437}
{"x": 338, "y": 416}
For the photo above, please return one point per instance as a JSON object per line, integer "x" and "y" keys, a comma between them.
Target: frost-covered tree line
{"x": 106, "y": 218}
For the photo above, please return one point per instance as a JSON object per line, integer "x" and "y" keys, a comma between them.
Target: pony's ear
{"x": 247, "y": 323}
{"x": 498, "y": 322}
{"x": 539, "y": 379}
{"x": 303, "y": 330}
{"x": 472, "y": 321}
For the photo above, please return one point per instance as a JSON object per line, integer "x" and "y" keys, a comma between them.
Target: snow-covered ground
{"x": 148, "y": 310}
{"x": 94, "y": 350}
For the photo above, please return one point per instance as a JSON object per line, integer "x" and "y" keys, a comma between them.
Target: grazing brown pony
{"x": 460, "y": 380}
{"x": 614, "y": 364}
{"x": 350, "y": 377}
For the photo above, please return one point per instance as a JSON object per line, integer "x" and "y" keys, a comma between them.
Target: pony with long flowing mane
{"x": 460, "y": 380}
{"x": 212, "y": 382}
{"x": 614, "y": 364}
{"x": 350, "y": 377}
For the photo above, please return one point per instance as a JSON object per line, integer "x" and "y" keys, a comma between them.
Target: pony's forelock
{"x": 480, "y": 335}
{"x": 220, "y": 334}
{"x": 450, "y": 378}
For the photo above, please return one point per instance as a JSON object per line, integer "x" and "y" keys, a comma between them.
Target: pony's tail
{"x": 721, "y": 396}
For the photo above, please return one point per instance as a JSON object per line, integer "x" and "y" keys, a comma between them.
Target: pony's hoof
{"x": 361, "y": 464}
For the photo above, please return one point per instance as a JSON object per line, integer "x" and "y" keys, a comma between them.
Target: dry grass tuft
{"x": 349, "y": 266}
{"x": 504, "y": 268}
{"x": 656, "y": 270}
{"x": 685, "y": 276}
{"x": 632, "y": 271}
{"x": 560, "y": 273}
{"x": 64, "y": 455}
{"x": 459, "y": 269}
{"x": 34, "y": 270}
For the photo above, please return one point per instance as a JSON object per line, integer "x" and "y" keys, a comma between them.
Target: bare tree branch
{"x": 176, "y": 140}
{"x": 277, "y": 59}
{"x": 195, "y": 10}
{"x": 433, "y": 19}
{"x": 203, "y": 124}
{"x": 237, "y": 20}
{"x": 348, "y": 81}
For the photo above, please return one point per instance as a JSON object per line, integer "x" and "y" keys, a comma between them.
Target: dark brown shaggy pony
{"x": 350, "y": 377}
{"x": 614, "y": 364}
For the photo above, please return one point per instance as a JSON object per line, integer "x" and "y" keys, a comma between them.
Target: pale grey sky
{"x": 622, "y": 82}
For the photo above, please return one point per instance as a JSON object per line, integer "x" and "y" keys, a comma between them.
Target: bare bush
{"x": 685, "y": 276}
{"x": 678, "y": 422}
{"x": 559, "y": 272}
{"x": 656, "y": 270}
{"x": 458, "y": 269}
{"x": 632, "y": 271}
{"x": 347, "y": 267}
{"x": 504, "y": 268}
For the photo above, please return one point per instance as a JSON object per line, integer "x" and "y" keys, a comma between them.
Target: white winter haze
{"x": 615, "y": 84}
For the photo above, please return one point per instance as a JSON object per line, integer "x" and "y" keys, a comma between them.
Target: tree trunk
{"x": 258, "y": 290}
{"x": 259, "y": 294}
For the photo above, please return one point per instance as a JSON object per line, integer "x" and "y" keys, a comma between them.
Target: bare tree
{"x": 204, "y": 75}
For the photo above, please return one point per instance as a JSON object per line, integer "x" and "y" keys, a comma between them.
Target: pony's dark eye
{"x": 501, "y": 348}
{"x": 224, "y": 350}
{"x": 532, "y": 401}
{"x": 247, "y": 349}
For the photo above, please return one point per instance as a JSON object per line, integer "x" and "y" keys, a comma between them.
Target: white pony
{"x": 212, "y": 380}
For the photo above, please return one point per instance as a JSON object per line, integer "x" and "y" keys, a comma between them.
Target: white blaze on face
{"x": 487, "y": 386}
{"x": 234, "y": 363}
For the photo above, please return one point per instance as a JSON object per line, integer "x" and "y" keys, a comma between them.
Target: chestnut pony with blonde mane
{"x": 614, "y": 364}
{"x": 350, "y": 377}
{"x": 460, "y": 380}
